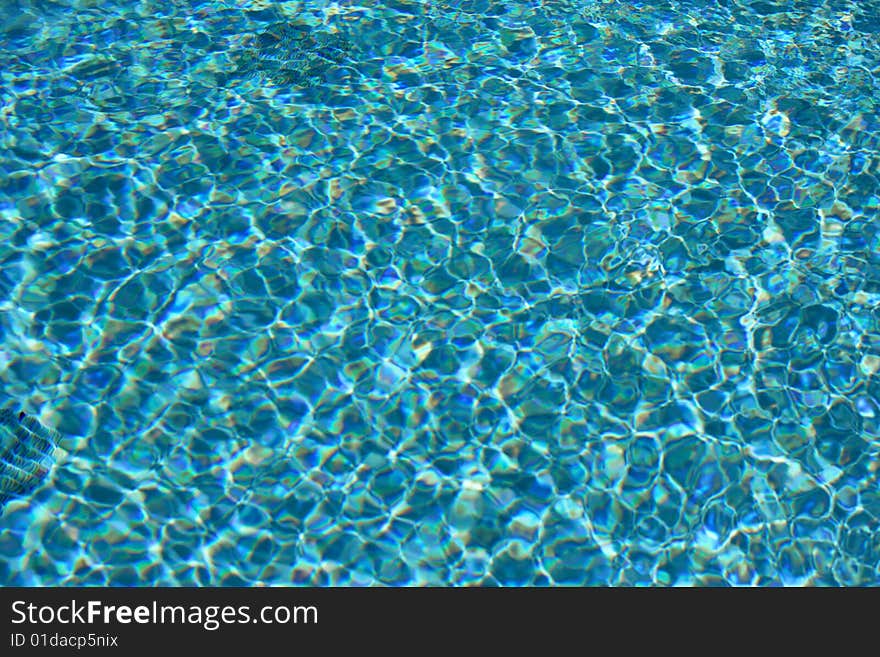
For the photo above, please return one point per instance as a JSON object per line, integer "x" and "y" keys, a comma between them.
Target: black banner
{"x": 40, "y": 620}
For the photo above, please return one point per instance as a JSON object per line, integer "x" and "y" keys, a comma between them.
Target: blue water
{"x": 462, "y": 293}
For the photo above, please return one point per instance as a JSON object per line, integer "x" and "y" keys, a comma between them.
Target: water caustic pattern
{"x": 444, "y": 293}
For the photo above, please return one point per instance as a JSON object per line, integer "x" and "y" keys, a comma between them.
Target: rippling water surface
{"x": 462, "y": 292}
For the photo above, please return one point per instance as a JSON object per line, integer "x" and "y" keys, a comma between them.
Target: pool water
{"x": 444, "y": 293}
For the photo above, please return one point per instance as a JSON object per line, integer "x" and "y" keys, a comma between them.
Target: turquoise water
{"x": 453, "y": 293}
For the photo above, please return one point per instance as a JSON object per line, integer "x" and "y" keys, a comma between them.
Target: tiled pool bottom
{"x": 443, "y": 293}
